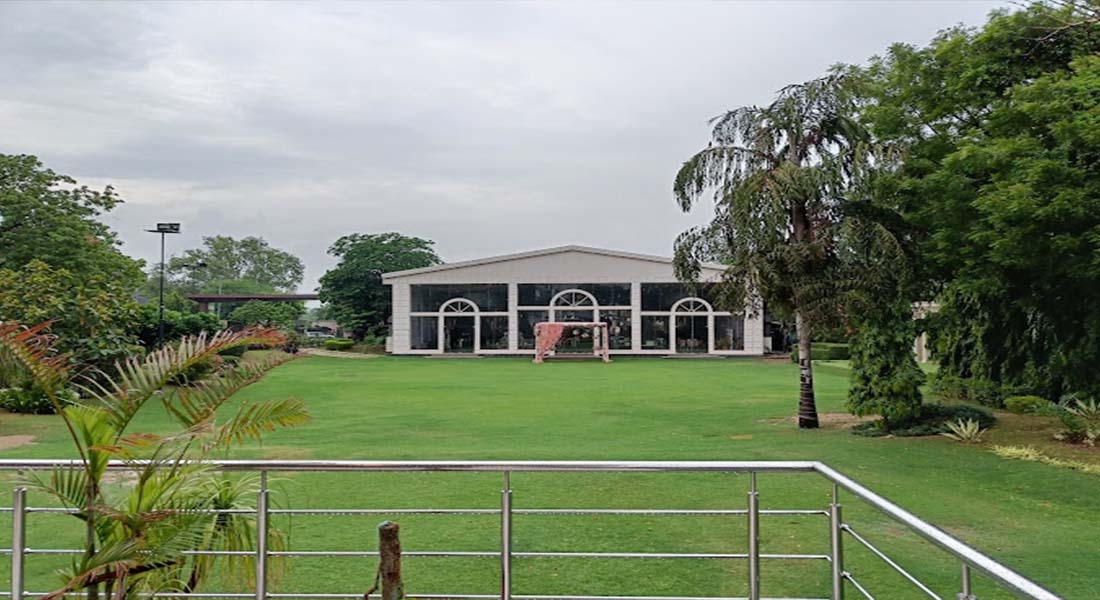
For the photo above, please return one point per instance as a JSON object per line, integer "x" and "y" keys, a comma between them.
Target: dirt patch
{"x": 7, "y": 442}
{"x": 828, "y": 420}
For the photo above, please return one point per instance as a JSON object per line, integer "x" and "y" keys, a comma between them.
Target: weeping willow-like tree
{"x": 778, "y": 175}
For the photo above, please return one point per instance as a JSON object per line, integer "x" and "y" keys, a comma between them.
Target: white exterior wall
{"x": 571, "y": 265}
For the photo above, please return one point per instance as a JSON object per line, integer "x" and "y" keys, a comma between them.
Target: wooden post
{"x": 389, "y": 563}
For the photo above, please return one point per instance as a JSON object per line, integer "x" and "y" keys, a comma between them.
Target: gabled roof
{"x": 533, "y": 254}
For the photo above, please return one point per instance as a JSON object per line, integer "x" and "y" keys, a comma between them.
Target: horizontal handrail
{"x": 1002, "y": 575}
{"x": 483, "y": 466}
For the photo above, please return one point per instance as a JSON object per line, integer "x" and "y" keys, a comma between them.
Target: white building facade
{"x": 490, "y": 306}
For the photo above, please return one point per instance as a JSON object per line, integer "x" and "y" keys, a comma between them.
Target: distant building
{"x": 491, "y": 305}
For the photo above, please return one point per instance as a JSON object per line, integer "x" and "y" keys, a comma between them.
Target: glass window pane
{"x": 494, "y": 333}
{"x": 580, "y": 316}
{"x": 654, "y": 332}
{"x": 618, "y": 328}
{"x": 575, "y": 341}
{"x": 606, "y": 294}
{"x": 729, "y": 332}
{"x": 424, "y": 333}
{"x": 527, "y": 320}
{"x": 661, "y": 296}
{"x": 691, "y": 334}
{"x": 489, "y": 297}
{"x": 535, "y": 294}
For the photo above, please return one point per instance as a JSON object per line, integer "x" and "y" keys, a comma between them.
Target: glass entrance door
{"x": 691, "y": 334}
{"x": 458, "y": 334}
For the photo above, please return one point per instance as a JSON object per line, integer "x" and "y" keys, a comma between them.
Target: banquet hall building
{"x": 490, "y": 306}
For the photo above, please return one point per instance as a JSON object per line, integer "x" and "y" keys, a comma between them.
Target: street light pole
{"x": 162, "y": 229}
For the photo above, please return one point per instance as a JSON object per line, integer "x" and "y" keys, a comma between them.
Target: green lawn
{"x": 1037, "y": 519}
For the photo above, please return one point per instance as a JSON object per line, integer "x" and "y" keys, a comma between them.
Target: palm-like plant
{"x": 139, "y": 526}
{"x": 778, "y": 175}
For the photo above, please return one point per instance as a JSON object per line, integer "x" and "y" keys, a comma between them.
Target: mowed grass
{"x": 1036, "y": 519}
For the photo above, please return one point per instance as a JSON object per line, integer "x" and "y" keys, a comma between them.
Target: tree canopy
{"x": 228, "y": 264}
{"x": 353, "y": 289}
{"x": 48, "y": 217}
{"x": 282, "y": 315}
{"x": 1001, "y": 181}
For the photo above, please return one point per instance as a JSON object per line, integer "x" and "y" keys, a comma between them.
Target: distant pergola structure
{"x": 205, "y": 300}
{"x": 548, "y": 334}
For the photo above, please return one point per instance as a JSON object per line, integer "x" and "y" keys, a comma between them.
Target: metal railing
{"x": 841, "y": 580}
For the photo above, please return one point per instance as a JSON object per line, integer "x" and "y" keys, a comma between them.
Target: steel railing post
{"x": 18, "y": 540}
{"x": 754, "y": 539}
{"x": 261, "y": 538}
{"x": 836, "y": 545}
{"x": 966, "y": 593}
{"x": 506, "y": 539}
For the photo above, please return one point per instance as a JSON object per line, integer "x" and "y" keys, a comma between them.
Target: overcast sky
{"x": 489, "y": 127}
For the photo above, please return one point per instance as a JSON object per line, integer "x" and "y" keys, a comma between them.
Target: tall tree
{"x": 778, "y": 174}
{"x": 226, "y": 261}
{"x": 353, "y": 288}
{"x": 48, "y": 217}
{"x": 1002, "y": 146}
{"x": 60, "y": 264}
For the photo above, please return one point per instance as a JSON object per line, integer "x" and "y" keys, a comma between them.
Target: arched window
{"x": 573, "y": 298}
{"x": 692, "y": 323}
{"x": 458, "y": 305}
{"x": 692, "y": 305}
{"x": 574, "y": 305}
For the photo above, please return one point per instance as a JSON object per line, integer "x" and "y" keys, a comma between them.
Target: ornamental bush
{"x": 30, "y": 400}
{"x": 933, "y": 420}
{"x": 339, "y": 344}
{"x": 884, "y": 379}
{"x": 1027, "y": 405}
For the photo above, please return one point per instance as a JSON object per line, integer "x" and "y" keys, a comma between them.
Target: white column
{"x": 636, "y": 316}
{"x": 400, "y": 322}
{"x": 513, "y": 317}
{"x": 754, "y": 332}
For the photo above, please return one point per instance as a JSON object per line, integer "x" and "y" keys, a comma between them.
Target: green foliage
{"x": 144, "y": 529}
{"x": 176, "y": 324}
{"x": 372, "y": 342}
{"x": 933, "y": 420}
{"x": 825, "y": 351}
{"x": 49, "y": 218}
{"x": 952, "y": 387}
{"x": 92, "y": 317}
{"x": 195, "y": 373}
{"x": 234, "y": 351}
{"x": 967, "y": 432}
{"x": 1081, "y": 419}
{"x": 1024, "y": 405}
{"x": 885, "y": 379}
{"x": 1000, "y": 130}
{"x": 228, "y": 262}
{"x": 339, "y": 344}
{"x": 32, "y": 400}
{"x": 283, "y": 315}
{"x": 353, "y": 289}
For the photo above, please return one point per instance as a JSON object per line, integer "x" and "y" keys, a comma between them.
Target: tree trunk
{"x": 389, "y": 561}
{"x": 807, "y": 406}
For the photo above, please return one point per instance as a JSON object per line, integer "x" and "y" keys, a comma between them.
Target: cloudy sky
{"x": 489, "y": 127}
